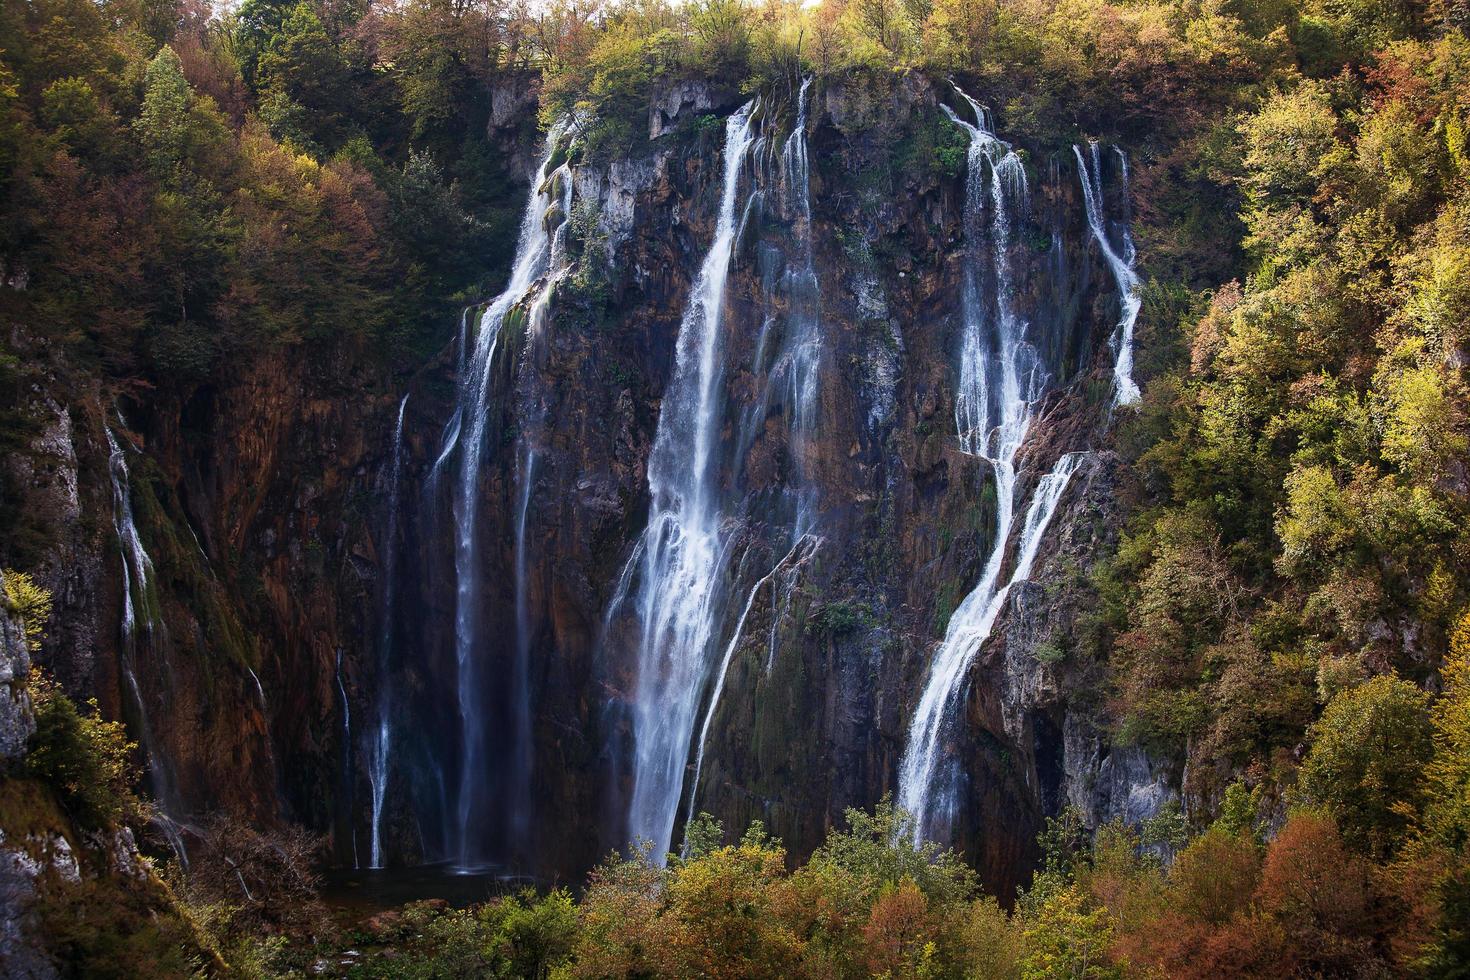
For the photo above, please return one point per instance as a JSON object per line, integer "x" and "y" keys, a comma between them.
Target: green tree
{"x": 29, "y": 601}
{"x": 1065, "y": 939}
{"x": 878, "y": 849}
{"x": 163, "y": 123}
{"x": 1366, "y": 765}
{"x": 85, "y": 759}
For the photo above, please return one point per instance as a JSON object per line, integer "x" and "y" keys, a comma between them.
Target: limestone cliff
{"x": 261, "y": 648}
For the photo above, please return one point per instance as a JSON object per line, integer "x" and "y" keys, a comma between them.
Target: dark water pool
{"x": 373, "y": 891}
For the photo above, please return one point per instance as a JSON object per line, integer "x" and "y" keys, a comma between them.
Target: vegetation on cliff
{"x": 1287, "y": 610}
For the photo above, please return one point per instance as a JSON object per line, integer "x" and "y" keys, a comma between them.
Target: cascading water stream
{"x": 780, "y": 579}
{"x": 381, "y": 745}
{"x": 138, "y": 600}
{"x": 920, "y": 779}
{"x": 791, "y": 383}
{"x": 531, "y": 439}
{"x": 678, "y": 585}
{"x": 1000, "y": 379}
{"x": 347, "y": 773}
{"x": 793, "y": 301}
{"x": 802, "y": 350}
{"x": 467, "y": 429}
{"x": 1089, "y": 166}
{"x": 524, "y": 756}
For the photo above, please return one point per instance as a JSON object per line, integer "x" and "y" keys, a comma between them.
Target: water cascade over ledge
{"x": 467, "y": 431}
{"x": 140, "y": 609}
{"x": 675, "y": 579}
{"x": 1120, "y": 264}
{"x": 1001, "y": 377}
{"x": 381, "y": 743}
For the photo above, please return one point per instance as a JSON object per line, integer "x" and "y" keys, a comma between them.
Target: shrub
{"x": 84, "y": 758}
{"x": 29, "y": 601}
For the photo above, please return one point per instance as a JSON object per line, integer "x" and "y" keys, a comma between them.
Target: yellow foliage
{"x": 30, "y": 602}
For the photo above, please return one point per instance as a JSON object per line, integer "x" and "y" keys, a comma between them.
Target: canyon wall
{"x": 266, "y": 658}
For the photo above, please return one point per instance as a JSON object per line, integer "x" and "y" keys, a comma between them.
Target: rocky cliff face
{"x": 264, "y": 648}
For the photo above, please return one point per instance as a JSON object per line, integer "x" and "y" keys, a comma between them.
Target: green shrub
{"x": 86, "y": 759}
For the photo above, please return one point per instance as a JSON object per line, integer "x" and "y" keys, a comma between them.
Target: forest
{"x": 1275, "y": 606}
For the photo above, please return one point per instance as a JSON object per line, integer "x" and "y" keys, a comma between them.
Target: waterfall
{"x": 532, "y": 416}
{"x": 781, "y": 580}
{"x": 467, "y": 430}
{"x": 1089, "y": 167}
{"x": 793, "y": 309}
{"x": 802, "y": 349}
{"x": 139, "y": 601}
{"x": 1000, "y": 378}
{"x": 381, "y": 745}
{"x": 347, "y": 775}
{"x": 520, "y": 788}
{"x": 678, "y": 585}
{"x": 920, "y": 780}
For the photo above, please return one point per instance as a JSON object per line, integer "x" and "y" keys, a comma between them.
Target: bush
{"x": 254, "y": 880}
{"x": 29, "y": 601}
{"x": 84, "y": 758}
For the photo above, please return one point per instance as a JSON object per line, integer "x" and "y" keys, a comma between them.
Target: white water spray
{"x": 1001, "y": 377}
{"x": 679, "y": 579}
{"x": 1089, "y": 167}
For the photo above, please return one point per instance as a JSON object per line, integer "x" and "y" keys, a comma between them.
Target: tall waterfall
{"x": 140, "y": 603}
{"x": 348, "y": 776}
{"x": 382, "y": 742}
{"x": 521, "y": 764}
{"x": 791, "y": 386}
{"x": 801, "y": 351}
{"x": 678, "y": 584}
{"x": 1089, "y": 166}
{"x": 1000, "y": 378}
{"x": 531, "y": 421}
{"x": 467, "y": 429}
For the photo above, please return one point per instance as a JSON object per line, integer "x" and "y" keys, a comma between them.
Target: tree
{"x": 163, "y": 124}
{"x": 1214, "y": 877}
{"x": 1366, "y": 762}
{"x": 29, "y": 601}
{"x": 878, "y": 849}
{"x": 1447, "y": 775}
{"x": 1321, "y": 896}
{"x": 85, "y": 759}
{"x": 1064, "y": 939}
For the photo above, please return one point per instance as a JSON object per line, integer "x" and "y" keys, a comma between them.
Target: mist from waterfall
{"x": 675, "y": 581}
{"x": 1120, "y": 263}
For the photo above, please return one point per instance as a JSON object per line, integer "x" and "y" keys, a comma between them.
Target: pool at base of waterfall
{"x": 360, "y": 893}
